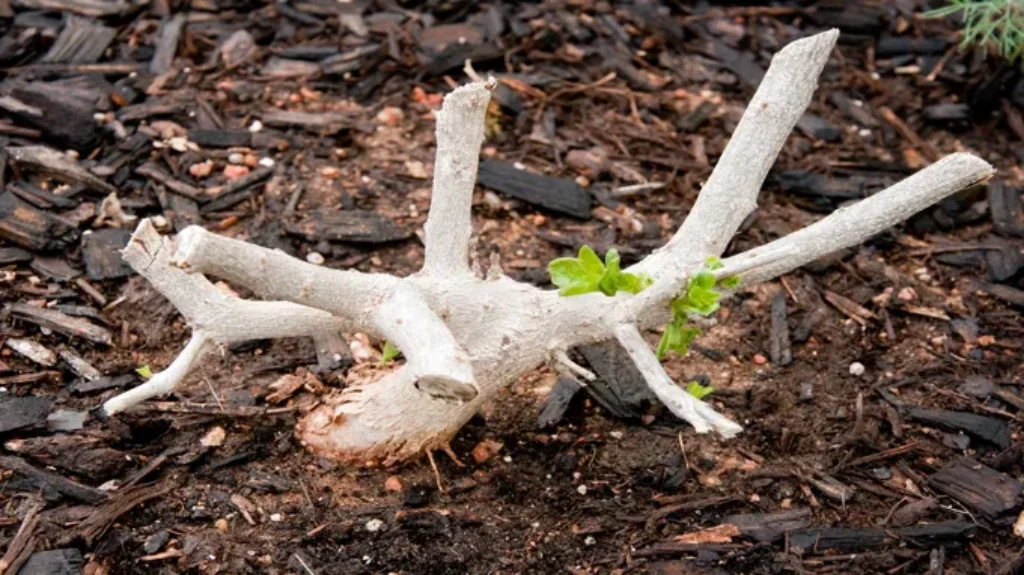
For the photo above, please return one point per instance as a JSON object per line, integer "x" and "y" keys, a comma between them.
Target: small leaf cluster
{"x": 997, "y": 21}
{"x": 389, "y": 353}
{"x": 145, "y": 372}
{"x": 587, "y": 273}
{"x": 699, "y": 391}
{"x": 700, "y": 298}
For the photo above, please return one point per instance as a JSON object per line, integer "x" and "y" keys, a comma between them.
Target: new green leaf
{"x": 389, "y": 353}
{"x": 699, "y": 391}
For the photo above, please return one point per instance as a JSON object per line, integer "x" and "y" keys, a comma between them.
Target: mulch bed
{"x": 879, "y": 387}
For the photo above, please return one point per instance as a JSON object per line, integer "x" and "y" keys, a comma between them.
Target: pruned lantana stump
{"x": 464, "y": 334}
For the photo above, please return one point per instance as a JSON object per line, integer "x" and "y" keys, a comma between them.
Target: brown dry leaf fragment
{"x": 284, "y": 387}
{"x": 486, "y": 449}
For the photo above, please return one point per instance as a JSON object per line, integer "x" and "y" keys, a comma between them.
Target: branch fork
{"x": 465, "y": 337}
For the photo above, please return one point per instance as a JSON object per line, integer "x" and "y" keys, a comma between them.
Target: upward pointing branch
{"x": 730, "y": 194}
{"x": 460, "y": 133}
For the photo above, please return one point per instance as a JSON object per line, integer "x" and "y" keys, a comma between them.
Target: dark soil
{"x": 909, "y": 467}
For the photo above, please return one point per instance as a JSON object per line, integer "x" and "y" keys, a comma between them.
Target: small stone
{"x": 236, "y": 158}
{"x": 806, "y": 392}
{"x": 256, "y": 126}
{"x": 156, "y": 542}
{"x": 201, "y": 169}
{"x": 374, "y": 525}
{"x": 178, "y": 144}
{"x": 221, "y": 524}
{"x": 214, "y": 438}
{"x": 617, "y": 434}
{"x": 276, "y": 517}
{"x": 416, "y": 169}
{"x": 390, "y": 116}
{"x": 582, "y": 490}
{"x": 492, "y": 200}
{"x": 267, "y": 162}
{"x": 393, "y": 484}
{"x": 330, "y": 172}
{"x": 881, "y": 473}
{"x": 907, "y": 294}
{"x": 977, "y": 386}
{"x": 856, "y": 369}
{"x": 590, "y": 541}
{"x": 760, "y": 359}
{"x": 234, "y": 172}
{"x": 315, "y": 258}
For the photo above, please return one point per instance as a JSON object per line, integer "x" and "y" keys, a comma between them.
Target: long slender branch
{"x": 845, "y": 227}
{"x": 164, "y": 381}
{"x": 853, "y": 224}
{"x": 460, "y": 133}
{"x": 700, "y": 415}
{"x": 208, "y": 309}
{"x": 730, "y": 194}
{"x": 272, "y": 274}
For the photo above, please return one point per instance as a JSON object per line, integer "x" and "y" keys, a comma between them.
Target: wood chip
{"x": 34, "y": 351}
{"x": 360, "y": 227}
{"x": 22, "y": 412}
{"x": 61, "y": 322}
{"x": 33, "y": 229}
{"x": 850, "y": 308}
{"x": 977, "y": 486}
{"x": 555, "y": 194}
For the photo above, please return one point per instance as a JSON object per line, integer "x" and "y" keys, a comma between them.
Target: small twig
{"x": 627, "y": 191}
{"x": 437, "y": 472}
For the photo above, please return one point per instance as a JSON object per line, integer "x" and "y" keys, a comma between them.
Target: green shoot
{"x": 700, "y": 298}
{"x": 989, "y": 21}
{"x": 587, "y": 273}
{"x": 699, "y": 391}
{"x": 389, "y": 353}
{"x": 145, "y": 372}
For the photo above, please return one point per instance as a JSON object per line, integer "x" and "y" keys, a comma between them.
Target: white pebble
{"x": 267, "y": 162}
{"x": 178, "y": 144}
{"x": 857, "y": 369}
{"x": 256, "y": 126}
{"x": 582, "y": 490}
{"x": 276, "y": 517}
{"x": 617, "y": 434}
{"x": 236, "y": 158}
{"x": 589, "y": 541}
{"x": 374, "y": 525}
{"x": 315, "y": 258}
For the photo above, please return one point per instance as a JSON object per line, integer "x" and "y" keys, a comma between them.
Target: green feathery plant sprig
{"x": 989, "y": 21}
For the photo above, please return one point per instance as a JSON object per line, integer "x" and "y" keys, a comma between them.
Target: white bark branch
{"x": 853, "y": 224}
{"x": 350, "y": 296}
{"x": 460, "y": 133}
{"x": 379, "y": 304}
{"x": 163, "y": 382}
{"x": 730, "y": 194}
{"x": 697, "y": 413}
{"x": 440, "y": 366}
{"x": 465, "y": 337}
{"x": 206, "y": 308}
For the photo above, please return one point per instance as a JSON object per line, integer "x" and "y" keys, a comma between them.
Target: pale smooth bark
{"x": 465, "y": 337}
